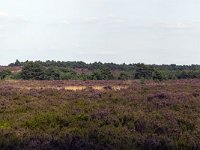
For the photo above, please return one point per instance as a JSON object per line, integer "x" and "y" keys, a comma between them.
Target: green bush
{"x": 5, "y": 74}
{"x": 45, "y": 121}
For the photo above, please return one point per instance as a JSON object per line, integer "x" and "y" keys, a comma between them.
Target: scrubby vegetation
{"x": 74, "y": 105}
{"x": 145, "y": 115}
{"x": 57, "y": 70}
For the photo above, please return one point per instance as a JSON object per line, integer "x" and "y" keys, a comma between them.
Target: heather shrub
{"x": 45, "y": 121}
{"x": 43, "y": 115}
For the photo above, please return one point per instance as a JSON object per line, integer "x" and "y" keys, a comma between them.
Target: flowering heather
{"x": 149, "y": 115}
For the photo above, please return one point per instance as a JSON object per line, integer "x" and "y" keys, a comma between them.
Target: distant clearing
{"x": 68, "y": 87}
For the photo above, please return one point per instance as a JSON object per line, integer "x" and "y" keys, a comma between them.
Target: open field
{"x": 100, "y": 114}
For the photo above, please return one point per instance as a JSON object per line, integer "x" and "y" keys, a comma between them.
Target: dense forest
{"x": 78, "y": 70}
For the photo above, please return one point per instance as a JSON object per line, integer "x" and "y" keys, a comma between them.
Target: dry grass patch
{"x": 75, "y": 88}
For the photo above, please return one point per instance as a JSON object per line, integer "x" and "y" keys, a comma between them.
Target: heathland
{"x": 100, "y": 114}
{"x": 74, "y": 105}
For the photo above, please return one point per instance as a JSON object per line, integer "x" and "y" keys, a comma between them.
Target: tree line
{"x": 60, "y": 70}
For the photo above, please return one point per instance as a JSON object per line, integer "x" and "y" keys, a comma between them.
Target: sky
{"x": 119, "y": 31}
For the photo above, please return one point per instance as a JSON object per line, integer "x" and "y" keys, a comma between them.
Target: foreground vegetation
{"x": 145, "y": 115}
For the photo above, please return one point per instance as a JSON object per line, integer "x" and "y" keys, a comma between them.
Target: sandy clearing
{"x": 76, "y": 88}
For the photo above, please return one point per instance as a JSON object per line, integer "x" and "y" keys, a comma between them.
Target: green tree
{"x": 66, "y": 74}
{"x": 82, "y": 76}
{"x": 102, "y": 74}
{"x": 143, "y": 71}
{"x": 96, "y": 75}
{"x": 17, "y": 63}
{"x": 106, "y": 74}
{"x": 52, "y": 73}
{"x": 33, "y": 71}
{"x": 157, "y": 75}
{"x": 123, "y": 76}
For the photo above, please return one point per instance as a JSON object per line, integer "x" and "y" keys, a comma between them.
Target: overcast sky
{"x": 130, "y": 31}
